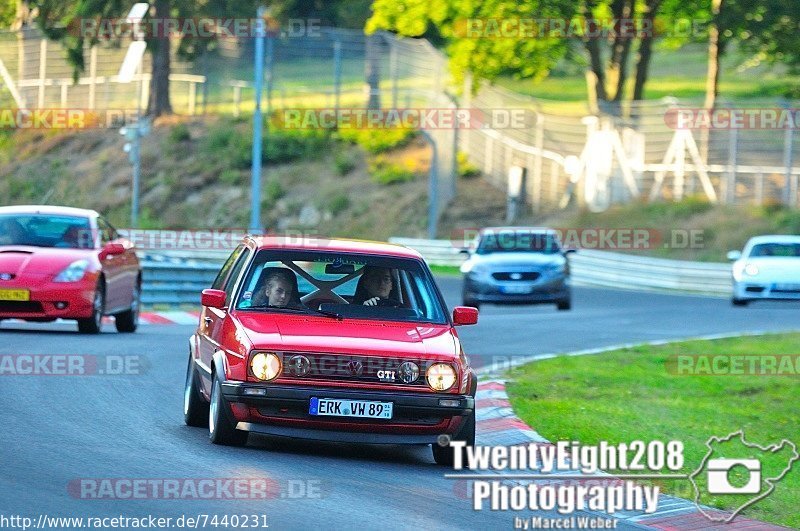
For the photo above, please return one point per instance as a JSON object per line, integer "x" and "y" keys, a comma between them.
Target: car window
{"x": 351, "y": 285}
{"x": 230, "y": 283}
{"x": 219, "y": 282}
{"x": 775, "y": 249}
{"x": 513, "y": 240}
{"x": 46, "y": 230}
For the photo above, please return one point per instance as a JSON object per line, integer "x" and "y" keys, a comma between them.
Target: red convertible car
{"x": 330, "y": 340}
{"x": 66, "y": 263}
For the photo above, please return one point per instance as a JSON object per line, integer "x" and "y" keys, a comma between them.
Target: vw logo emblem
{"x": 355, "y": 367}
{"x": 516, "y": 276}
{"x": 6, "y": 276}
{"x": 299, "y": 365}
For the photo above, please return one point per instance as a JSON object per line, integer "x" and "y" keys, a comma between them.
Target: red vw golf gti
{"x": 66, "y": 263}
{"x": 330, "y": 340}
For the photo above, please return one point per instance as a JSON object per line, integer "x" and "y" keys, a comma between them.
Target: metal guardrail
{"x": 607, "y": 269}
{"x": 178, "y": 277}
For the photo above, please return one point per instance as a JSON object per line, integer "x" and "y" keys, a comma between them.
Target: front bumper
{"x": 78, "y": 297}
{"x": 754, "y": 291}
{"x": 483, "y": 289}
{"x": 283, "y": 411}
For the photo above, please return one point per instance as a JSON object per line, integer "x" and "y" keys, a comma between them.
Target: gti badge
{"x": 386, "y": 376}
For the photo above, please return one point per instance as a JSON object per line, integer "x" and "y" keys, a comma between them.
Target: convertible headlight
{"x": 440, "y": 376}
{"x": 265, "y": 366}
{"x": 751, "y": 269}
{"x": 73, "y": 272}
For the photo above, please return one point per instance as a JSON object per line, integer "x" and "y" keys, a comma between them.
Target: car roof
{"x": 774, "y": 238}
{"x": 337, "y": 245}
{"x": 535, "y": 230}
{"x": 48, "y": 209}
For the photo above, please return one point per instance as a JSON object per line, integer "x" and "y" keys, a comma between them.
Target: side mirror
{"x": 734, "y": 255}
{"x": 465, "y": 315}
{"x": 213, "y": 298}
{"x": 112, "y": 249}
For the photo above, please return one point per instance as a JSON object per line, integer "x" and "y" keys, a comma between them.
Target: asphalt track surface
{"x": 60, "y": 429}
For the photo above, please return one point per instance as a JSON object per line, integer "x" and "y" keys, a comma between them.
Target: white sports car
{"x": 767, "y": 269}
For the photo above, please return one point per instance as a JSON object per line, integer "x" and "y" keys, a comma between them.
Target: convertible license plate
{"x": 15, "y": 295}
{"x": 516, "y": 289}
{"x": 350, "y": 408}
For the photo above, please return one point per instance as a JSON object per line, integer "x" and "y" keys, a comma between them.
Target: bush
{"x": 385, "y": 172}
{"x": 338, "y": 203}
{"x": 377, "y": 140}
{"x": 179, "y": 133}
{"x": 273, "y": 191}
{"x": 285, "y": 145}
{"x": 465, "y": 167}
{"x": 344, "y": 161}
{"x": 231, "y": 177}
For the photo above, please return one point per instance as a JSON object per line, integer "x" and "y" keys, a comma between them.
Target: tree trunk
{"x": 158, "y": 102}
{"x": 716, "y": 49}
{"x": 645, "y": 48}
{"x": 592, "y": 45}
{"x": 618, "y": 69}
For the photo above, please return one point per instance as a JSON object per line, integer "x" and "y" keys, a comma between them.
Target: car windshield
{"x": 42, "y": 230}
{"x": 507, "y": 241}
{"x": 341, "y": 285}
{"x": 775, "y": 249}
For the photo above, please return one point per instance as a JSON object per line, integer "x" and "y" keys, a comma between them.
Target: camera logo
{"x": 740, "y": 472}
{"x": 719, "y": 470}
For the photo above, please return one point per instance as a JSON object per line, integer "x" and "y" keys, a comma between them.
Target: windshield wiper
{"x": 326, "y": 313}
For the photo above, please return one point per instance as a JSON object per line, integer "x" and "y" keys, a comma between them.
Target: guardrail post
{"x": 730, "y": 176}
{"x": 42, "y": 70}
{"x": 192, "y": 96}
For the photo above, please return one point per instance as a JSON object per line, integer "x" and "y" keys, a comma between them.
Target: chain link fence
{"x": 560, "y": 158}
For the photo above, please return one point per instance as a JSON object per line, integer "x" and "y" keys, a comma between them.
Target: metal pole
{"x": 337, "y": 74}
{"x": 433, "y": 188}
{"x": 255, "y": 181}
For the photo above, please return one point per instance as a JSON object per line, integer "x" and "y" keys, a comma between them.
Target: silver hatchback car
{"x": 516, "y": 265}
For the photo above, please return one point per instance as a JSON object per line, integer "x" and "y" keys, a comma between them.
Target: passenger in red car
{"x": 375, "y": 287}
{"x": 279, "y": 289}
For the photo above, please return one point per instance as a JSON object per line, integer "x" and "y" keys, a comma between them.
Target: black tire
{"x": 739, "y": 302}
{"x": 221, "y": 429}
{"x": 195, "y": 408}
{"x": 94, "y": 324}
{"x": 128, "y": 321}
{"x": 444, "y": 455}
{"x": 564, "y": 304}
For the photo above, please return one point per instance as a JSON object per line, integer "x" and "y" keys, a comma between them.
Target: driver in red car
{"x": 375, "y": 287}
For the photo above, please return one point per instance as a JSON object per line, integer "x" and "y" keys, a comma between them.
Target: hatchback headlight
{"x": 751, "y": 269}
{"x": 265, "y": 366}
{"x": 73, "y": 272}
{"x": 440, "y": 376}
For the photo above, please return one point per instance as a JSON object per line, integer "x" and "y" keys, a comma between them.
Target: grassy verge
{"x": 631, "y": 394}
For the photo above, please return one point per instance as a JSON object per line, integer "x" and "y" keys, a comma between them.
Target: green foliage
{"x": 286, "y": 145}
{"x": 179, "y": 133}
{"x": 344, "y": 161}
{"x": 338, "y": 203}
{"x": 231, "y": 177}
{"x": 465, "y": 167}
{"x": 384, "y": 171}
{"x": 377, "y": 140}
{"x": 273, "y": 191}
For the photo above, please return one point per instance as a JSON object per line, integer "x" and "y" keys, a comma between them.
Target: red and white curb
{"x": 497, "y": 425}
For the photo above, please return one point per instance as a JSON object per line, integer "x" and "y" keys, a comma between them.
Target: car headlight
{"x": 265, "y": 366}
{"x": 73, "y": 272}
{"x": 409, "y": 372}
{"x": 751, "y": 269}
{"x": 440, "y": 376}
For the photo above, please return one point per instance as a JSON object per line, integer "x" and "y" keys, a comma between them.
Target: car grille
{"x": 528, "y": 275}
{"x": 21, "y": 306}
{"x": 333, "y": 367}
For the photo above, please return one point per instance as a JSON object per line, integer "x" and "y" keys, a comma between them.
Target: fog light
{"x": 448, "y": 402}
{"x": 255, "y": 391}
{"x": 409, "y": 372}
{"x": 61, "y": 305}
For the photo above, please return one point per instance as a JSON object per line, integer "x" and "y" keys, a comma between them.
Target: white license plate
{"x": 335, "y": 407}
{"x": 515, "y": 289}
